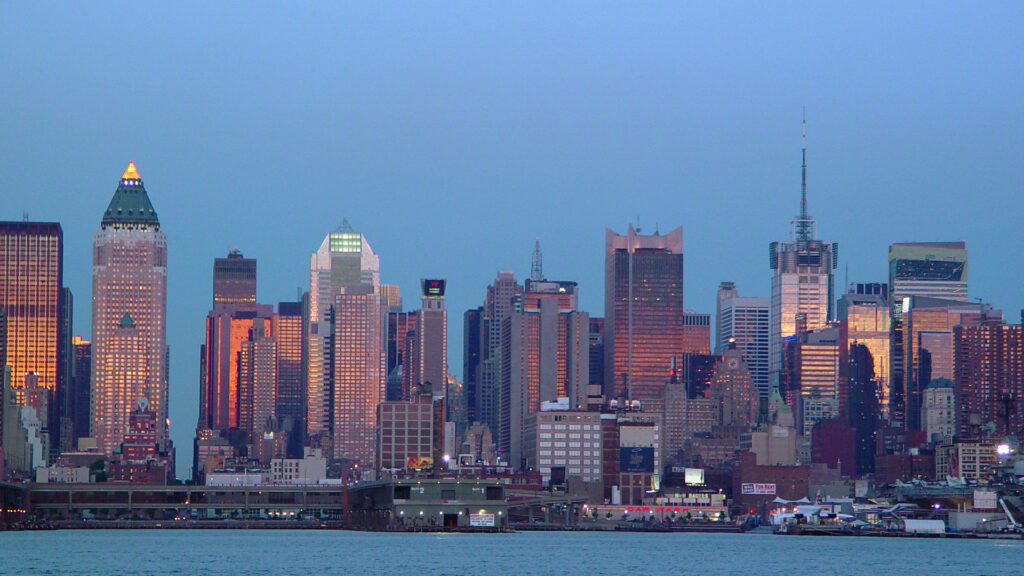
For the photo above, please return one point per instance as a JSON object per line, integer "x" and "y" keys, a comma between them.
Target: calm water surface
{"x": 292, "y": 552}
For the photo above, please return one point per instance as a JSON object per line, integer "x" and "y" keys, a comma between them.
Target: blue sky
{"x": 454, "y": 134}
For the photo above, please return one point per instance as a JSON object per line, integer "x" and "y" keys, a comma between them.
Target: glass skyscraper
{"x": 802, "y": 279}
{"x": 643, "y": 311}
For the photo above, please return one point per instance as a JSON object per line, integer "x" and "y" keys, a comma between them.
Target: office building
{"x": 31, "y": 277}
{"x": 234, "y": 279}
{"x": 643, "y": 311}
{"x": 696, "y": 333}
{"x": 809, "y": 380}
{"x": 563, "y": 443}
{"x": 346, "y": 352}
{"x": 497, "y": 306}
{"x": 928, "y": 269}
{"x": 864, "y": 319}
{"x": 431, "y": 338}
{"x": 745, "y": 322}
{"x": 802, "y": 277}
{"x": 129, "y": 313}
{"x": 926, "y": 326}
{"x": 545, "y": 351}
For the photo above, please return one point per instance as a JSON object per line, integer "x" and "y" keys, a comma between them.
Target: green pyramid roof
{"x": 126, "y": 321}
{"x": 130, "y": 207}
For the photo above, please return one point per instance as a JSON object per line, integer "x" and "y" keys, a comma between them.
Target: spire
{"x": 537, "y": 264}
{"x": 130, "y": 173}
{"x": 803, "y": 225}
{"x": 803, "y": 167}
{"x": 130, "y": 207}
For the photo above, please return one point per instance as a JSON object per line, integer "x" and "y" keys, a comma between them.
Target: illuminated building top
{"x": 130, "y": 207}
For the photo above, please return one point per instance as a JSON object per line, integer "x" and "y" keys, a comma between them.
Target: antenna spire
{"x": 803, "y": 225}
{"x": 537, "y": 263}
{"x": 803, "y": 167}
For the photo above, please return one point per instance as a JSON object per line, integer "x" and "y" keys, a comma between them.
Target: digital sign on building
{"x": 636, "y": 459}
{"x": 434, "y": 287}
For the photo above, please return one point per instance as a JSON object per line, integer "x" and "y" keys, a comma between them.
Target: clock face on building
{"x": 732, "y": 363}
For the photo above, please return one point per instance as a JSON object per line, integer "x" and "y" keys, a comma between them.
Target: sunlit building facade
{"x": 545, "y": 352}
{"x": 927, "y": 345}
{"x": 357, "y": 374}
{"x": 929, "y": 269}
{"x": 696, "y": 333}
{"x": 344, "y": 259}
{"x": 643, "y": 311}
{"x": 129, "y": 280}
{"x": 802, "y": 278}
{"x": 864, "y": 319}
{"x": 989, "y": 377}
{"x": 31, "y": 270}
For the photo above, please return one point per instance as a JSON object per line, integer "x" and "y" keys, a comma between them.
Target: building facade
{"x": 643, "y": 311}
{"x": 129, "y": 281}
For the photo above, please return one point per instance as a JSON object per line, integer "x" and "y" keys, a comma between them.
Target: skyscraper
{"x": 802, "y": 279}
{"x": 989, "y": 376}
{"x": 643, "y": 311}
{"x": 931, "y": 269}
{"x": 234, "y": 279}
{"x": 346, "y": 359}
{"x": 497, "y": 306}
{"x": 31, "y": 277}
{"x": 726, "y": 290}
{"x": 545, "y": 355}
{"x": 696, "y": 333}
{"x": 745, "y": 322}
{"x": 864, "y": 319}
{"x": 129, "y": 313}
{"x": 431, "y": 343}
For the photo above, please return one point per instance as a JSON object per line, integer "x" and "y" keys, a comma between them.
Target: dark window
{"x": 403, "y": 492}
{"x": 447, "y": 494}
{"x": 494, "y": 493}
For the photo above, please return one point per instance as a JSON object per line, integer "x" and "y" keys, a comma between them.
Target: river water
{"x": 294, "y": 552}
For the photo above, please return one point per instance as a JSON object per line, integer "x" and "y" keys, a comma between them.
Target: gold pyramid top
{"x": 130, "y": 173}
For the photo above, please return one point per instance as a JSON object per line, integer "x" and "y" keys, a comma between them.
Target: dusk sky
{"x": 454, "y": 134}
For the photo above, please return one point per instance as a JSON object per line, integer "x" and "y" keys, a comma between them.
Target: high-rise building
{"x": 545, "y": 352}
{"x": 989, "y": 377}
{"x": 431, "y": 342}
{"x": 357, "y": 372}
{"x": 643, "y": 311}
{"x": 291, "y": 389}
{"x": 401, "y": 334}
{"x": 497, "y": 306}
{"x": 31, "y": 270}
{"x": 864, "y": 319}
{"x": 596, "y": 359}
{"x": 929, "y": 269}
{"x": 696, "y": 333}
{"x": 745, "y": 322}
{"x": 82, "y": 351}
{"x": 345, "y": 344}
{"x": 809, "y": 381}
{"x": 802, "y": 278}
{"x": 227, "y": 327}
{"x": 726, "y": 291}
{"x": 732, "y": 390}
{"x": 926, "y": 325}
{"x": 472, "y": 345}
{"x": 234, "y": 279}
{"x": 257, "y": 381}
{"x": 129, "y": 313}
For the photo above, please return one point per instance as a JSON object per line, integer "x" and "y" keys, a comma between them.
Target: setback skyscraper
{"x": 802, "y": 279}
{"x": 129, "y": 314}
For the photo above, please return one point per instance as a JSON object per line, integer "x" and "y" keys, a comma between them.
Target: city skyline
{"x": 476, "y": 133}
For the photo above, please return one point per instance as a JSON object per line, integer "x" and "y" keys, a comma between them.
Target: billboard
{"x": 693, "y": 476}
{"x": 481, "y": 519}
{"x": 758, "y": 489}
{"x": 636, "y": 459}
{"x": 433, "y": 287}
{"x": 419, "y": 462}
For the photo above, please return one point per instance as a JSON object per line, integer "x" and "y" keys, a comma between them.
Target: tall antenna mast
{"x": 804, "y": 226}
{"x": 537, "y": 263}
